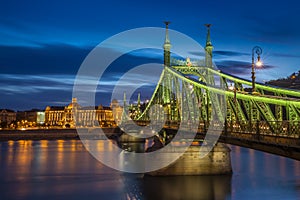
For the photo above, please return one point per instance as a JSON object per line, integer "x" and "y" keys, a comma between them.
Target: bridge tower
{"x": 125, "y": 113}
{"x": 208, "y": 48}
{"x": 124, "y": 100}
{"x": 167, "y": 46}
{"x": 139, "y": 104}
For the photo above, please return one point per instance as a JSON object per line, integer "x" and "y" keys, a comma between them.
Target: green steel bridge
{"x": 267, "y": 119}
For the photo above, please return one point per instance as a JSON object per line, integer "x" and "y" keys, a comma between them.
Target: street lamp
{"x": 233, "y": 88}
{"x": 258, "y": 51}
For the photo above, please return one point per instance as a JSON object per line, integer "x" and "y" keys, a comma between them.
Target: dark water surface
{"x": 65, "y": 170}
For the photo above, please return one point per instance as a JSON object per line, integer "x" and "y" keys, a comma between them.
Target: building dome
{"x": 73, "y": 104}
{"x": 114, "y": 103}
{"x": 100, "y": 107}
{"x": 48, "y": 108}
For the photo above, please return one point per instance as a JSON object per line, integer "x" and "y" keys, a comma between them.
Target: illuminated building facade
{"x": 31, "y": 118}
{"x": 90, "y": 116}
{"x": 292, "y": 81}
{"x": 55, "y": 116}
{"x": 7, "y": 117}
{"x": 117, "y": 111}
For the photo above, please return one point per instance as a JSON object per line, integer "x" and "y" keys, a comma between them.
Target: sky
{"x": 43, "y": 43}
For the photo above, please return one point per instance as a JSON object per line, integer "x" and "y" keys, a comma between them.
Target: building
{"x": 7, "y": 117}
{"x": 292, "y": 81}
{"x": 75, "y": 115}
{"x": 117, "y": 111}
{"x": 55, "y": 116}
{"x": 31, "y": 118}
{"x": 40, "y": 117}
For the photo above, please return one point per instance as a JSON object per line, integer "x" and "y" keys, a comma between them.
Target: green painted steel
{"x": 275, "y": 90}
{"x": 197, "y": 70}
{"x": 243, "y": 96}
{"x": 182, "y": 96}
{"x": 270, "y": 110}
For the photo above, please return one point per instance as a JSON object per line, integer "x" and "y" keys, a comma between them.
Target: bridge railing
{"x": 282, "y": 128}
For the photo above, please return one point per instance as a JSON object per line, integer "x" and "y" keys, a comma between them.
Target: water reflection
{"x": 258, "y": 174}
{"x": 65, "y": 170}
{"x": 187, "y": 187}
{"x": 137, "y": 186}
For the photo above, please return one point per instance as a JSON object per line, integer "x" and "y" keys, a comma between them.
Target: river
{"x": 63, "y": 169}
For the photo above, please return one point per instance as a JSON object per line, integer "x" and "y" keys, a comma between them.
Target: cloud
{"x": 48, "y": 73}
{"x": 197, "y": 53}
{"x": 47, "y": 59}
{"x": 230, "y": 53}
{"x": 285, "y": 55}
{"x": 237, "y": 67}
{"x": 64, "y": 59}
{"x": 37, "y": 91}
{"x": 16, "y": 84}
{"x": 218, "y": 54}
{"x": 274, "y": 28}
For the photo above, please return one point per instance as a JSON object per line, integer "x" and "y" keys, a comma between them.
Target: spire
{"x": 208, "y": 48}
{"x": 208, "y": 42}
{"x": 124, "y": 100}
{"x": 74, "y": 100}
{"x": 167, "y": 40}
{"x": 124, "y": 117}
{"x": 139, "y": 100}
{"x": 167, "y": 46}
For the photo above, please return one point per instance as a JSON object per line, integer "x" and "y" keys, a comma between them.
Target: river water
{"x": 61, "y": 169}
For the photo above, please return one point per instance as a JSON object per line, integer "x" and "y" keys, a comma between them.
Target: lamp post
{"x": 258, "y": 51}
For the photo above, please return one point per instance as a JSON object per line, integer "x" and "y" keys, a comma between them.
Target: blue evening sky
{"x": 43, "y": 43}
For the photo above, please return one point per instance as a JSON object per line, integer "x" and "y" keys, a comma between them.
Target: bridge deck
{"x": 279, "y": 145}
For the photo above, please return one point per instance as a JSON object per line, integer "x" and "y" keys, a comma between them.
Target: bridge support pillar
{"x": 216, "y": 162}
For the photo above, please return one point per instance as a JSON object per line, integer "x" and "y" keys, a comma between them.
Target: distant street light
{"x": 233, "y": 88}
{"x": 258, "y": 51}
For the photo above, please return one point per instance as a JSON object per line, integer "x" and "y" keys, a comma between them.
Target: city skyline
{"x": 152, "y": 99}
{"x": 43, "y": 44}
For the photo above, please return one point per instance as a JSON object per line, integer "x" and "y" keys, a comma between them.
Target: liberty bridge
{"x": 266, "y": 118}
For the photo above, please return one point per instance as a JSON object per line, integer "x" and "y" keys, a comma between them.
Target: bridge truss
{"x": 189, "y": 92}
{"x": 197, "y": 92}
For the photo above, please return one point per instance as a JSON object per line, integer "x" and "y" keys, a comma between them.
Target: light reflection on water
{"x": 65, "y": 170}
{"x": 259, "y": 175}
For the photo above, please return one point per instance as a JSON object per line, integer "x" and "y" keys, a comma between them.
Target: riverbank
{"x": 54, "y": 134}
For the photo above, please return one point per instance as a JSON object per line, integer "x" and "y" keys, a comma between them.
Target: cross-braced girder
{"x": 184, "y": 91}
